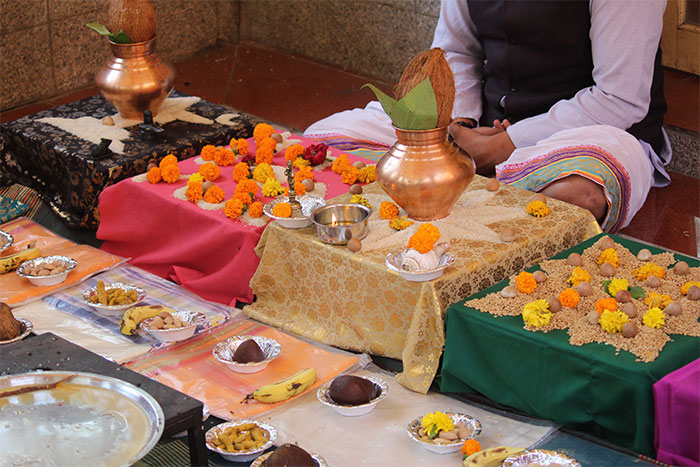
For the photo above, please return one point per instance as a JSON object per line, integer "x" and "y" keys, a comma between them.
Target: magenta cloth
{"x": 204, "y": 251}
{"x": 677, "y": 405}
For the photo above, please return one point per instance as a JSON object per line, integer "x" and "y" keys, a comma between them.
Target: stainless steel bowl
{"x": 338, "y": 223}
{"x": 6, "y": 240}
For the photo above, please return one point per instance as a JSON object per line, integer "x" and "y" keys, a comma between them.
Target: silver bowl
{"x": 223, "y": 352}
{"x": 240, "y": 456}
{"x": 323, "y": 395}
{"x": 25, "y": 328}
{"x": 308, "y": 205}
{"x": 320, "y": 461}
{"x": 472, "y": 424}
{"x": 540, "y": 457}
{"x": 68, "y": 264}
{"x": 338, "y": 223}
{"x": 6, "y": 240}
{"x": 113, "y": 309}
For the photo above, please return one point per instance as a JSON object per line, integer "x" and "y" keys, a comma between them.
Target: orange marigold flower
{"x": 194, "y": 192}
{"x": 293, "y": 151}
{"x": 214, "y": 195}
{"x": 526, "y": 282}
{"x": 244, "y": 197}
{"x": 153, "y": 175}
{"x": 265, "y": 151}
{"x": 606, "y": 304}
{"x": 224, "y": 157}
{"x": 388, "y": 210}
{"x": 367, "y": 174}
{"x": 424, "y": 238}
{"x": 208, "y": 152}
{"x": 470, "y": 446}
{"x": 209, "y": 171}
{"x": 168, "y": 160}
{"x": 233, "y": 208}
{"x": 350, "y": 175}
{"x": 241, "y": 171}
{"x": 340, "y": 163}
{"x": 239, "y": 146}
{"x": 282, "y": 210}
{"x": 170, "y": 173}
{"x": 247, "y": 186}
{"x": 569, "y": 297}
{"x": 304, "y": 173}
{"x": 261, "y": 131}
{"x": 299, "y": 189}
{"x": 255, "y": 209}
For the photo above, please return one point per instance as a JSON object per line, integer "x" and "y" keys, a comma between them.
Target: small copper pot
{"x": 135, "y": 79}
{"x": 424, "y": 173}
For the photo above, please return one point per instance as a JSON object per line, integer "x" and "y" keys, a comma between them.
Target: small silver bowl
{"x": 67, "y": 265}
{"x": 338, "y": 223}
{"x": 308, "y": 205}
{"x": 25, "y": 328}
{"x": 540, "y": 457}
{"x": 6, "y": 240}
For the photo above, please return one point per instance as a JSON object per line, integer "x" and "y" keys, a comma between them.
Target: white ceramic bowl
{"x": 540, "y": 457}
{"x": 6, "y": 240}
{"x": 223, "y": 352}
{"x": 308, "y": 205}
{"x": 395, "y": 258}
{"x": 353, "y": 410}
{"x": 320, "y": 461}
{"x": 25, "y": 327}
{"x": 44, "y": 281}
{"x": 240, "y": 456}
{"x": 175, "y": 334}
{"x": 114, "y": 309}
{"x": 472, "y": 423}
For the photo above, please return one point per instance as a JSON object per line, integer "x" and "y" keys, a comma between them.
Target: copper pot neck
{"x": 138, "y": 49}
{"x": 422, "y": 137}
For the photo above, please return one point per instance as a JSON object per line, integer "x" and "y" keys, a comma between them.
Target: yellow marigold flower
{"x": 195, "y": 178}
{"x": 299, "y": 189}
{"x": 341, "y": 163}
{"x": 349, "y": 175}
{"x": 210, "y": 171}
{"x": 569, "y": 298}
{"x": 194, "y": 192}
{"x": 367, "y": 174}
{"x": 470, "y": 447}
{"x": 304, "y": 173}
{"x": 153, "y": 175}
{"x": 388, "y": 210}
{"x": 400, "y": 223}
{"x": 255, "y": 209}
{"x": 168, "y": 160}
{"x": 233, "y": 208}
{"x": 537, "y": 313}
{"x": 265, "y": 151}
{"x": 282, "y": 210}
{"x": 649, "y": 269}
{"x": 262, "y": 130}
{"x": 654, "y": 318}
{"x": 688, "y": 285}
{"x": 657, "y": 300}
{"x": 241, "y": 171}
{"x": 272, "y": 188}
{"x": 359, "y": 199}
{"x": 208, "y": 152}
{"x": 262, "y": 172}
{"x": 300, "y": 162}
{"x": 214, "y": 195}
{"x": 579, "y": 275}
{"x": 526, "y": 282}
{"x": 616, "y": 285}
{"x": 537, "y": 209}
{"x": 293, "y": 151}
{"x": 612, "y": 321}
{"x": 435, "y": 422}
{"x": 170, "y": 173}
{"x": 224, "y": 157}
{"x": 609, "y": 256}
{"x": 424, "y": 238}
{"x": 605, "y": 304}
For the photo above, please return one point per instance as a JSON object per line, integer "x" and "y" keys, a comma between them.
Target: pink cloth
{"x": 204, "y": 251}
{"x": 677, "y": 405}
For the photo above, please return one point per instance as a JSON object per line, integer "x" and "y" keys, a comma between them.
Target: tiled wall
{"x": 46, "y": 50}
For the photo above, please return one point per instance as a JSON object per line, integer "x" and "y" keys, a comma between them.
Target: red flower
{"x": 316, "y": 153}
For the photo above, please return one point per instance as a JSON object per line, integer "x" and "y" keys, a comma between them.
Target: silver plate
{"x": 140, "y": 295}
{"x": 541, "y": 457}
{"x": 25, "y": 328}
{"x": 308, "y": 205}
{"x": 89, "y": 420}
{"x": 6, "y": 240}
{"x": 320, "y": 461}
{"x": 240, "y": 456}
{"x": 68, "y": 264}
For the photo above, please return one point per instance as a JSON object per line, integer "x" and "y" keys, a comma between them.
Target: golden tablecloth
{"x": 353, "y": 301}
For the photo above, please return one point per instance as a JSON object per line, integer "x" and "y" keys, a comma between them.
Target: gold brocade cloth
{"x": 353, "y": 301}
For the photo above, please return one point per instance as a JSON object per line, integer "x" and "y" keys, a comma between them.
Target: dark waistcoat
{"x": 539, "y": 52}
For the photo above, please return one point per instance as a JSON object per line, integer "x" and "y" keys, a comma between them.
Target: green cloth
{"x": 587, "y": 388}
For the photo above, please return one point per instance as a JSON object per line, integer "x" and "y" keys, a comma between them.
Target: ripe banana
{"x": 133, "y": 317}
{"x": 491, "y": 457}
{"x": 285, "y": 389}
{"x": 12, "y": 262}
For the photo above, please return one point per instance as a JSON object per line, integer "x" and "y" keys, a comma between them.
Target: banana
{"x": 12, "y": 262}
{"x": 133, "y": 317}
{"x": 492, "y": 457}
{"x": 285, "y": 389}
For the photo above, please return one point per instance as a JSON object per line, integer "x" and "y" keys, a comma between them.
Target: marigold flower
{"x": 424, "y": 238}
{"x": 400, "y": 223}
{"x": 210, "y": 171}
{"x": 272, "y": 188}
{"x": 224, "y": 157}
{"x": 262, "y": 172}
{"x": 265, "y": 151}
{"x": 569, "y": 298}
{"x": 153, "y": 175}
{"x": 247, "y": 186}
{"x": 194, "y": 192}
{"x": 170, "y": 173}
{"x": 233, "y": 208}
{"x": 349, "y": 174}
{"x": 214, "y": 195}
{"x": 537, "y": 208}
{"x": 304, "y": 173}
{"x": 685, "y": 287}
{"x": 282, "y": 210}
{"x": 609, "y": 256}
{"x": 299, "y": 189}
{"x": 359, "y": 199}
{"x": 649, "y": 269}
{"x": 168, "y": 160}
{"x": 579, "y": 275}
{"x": 262, "y": 130}
{"x": 241, "y": 171}
{"x": 239, "y": 146}
{"x": 388, "y": 210}
{"x": 208, "y": 152}
{"x": 657, "y": 300}
{"x": 341, "y": 163}
{"x": 470, "y": 447}
{"x": 612, "y": 321}
{"x": 435, "y": 422}
{"x": 605, "y": 304}
{"x": 617, "y": 285}
{"x": 654, "y": 318}
{"x": 367, "y": 174}
{"x": 195, "y": 178}
{"x": 255, "y": 209}
{"x": 526, "y": 282}
{"x": 244, "y": 197}
{"x": 293, "y": 151}
{"x": 300, "y": 162}
{"x": 537, "y": 313}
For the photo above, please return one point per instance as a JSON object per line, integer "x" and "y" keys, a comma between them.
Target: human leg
{"x": 580, "y": 191}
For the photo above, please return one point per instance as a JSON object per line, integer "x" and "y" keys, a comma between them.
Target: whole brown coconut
{"x": 289, "y": 455}
{"x": 136, "y": 17}
{"x": 9, "y": 326}
{"x": 248, "y": 351}
{"x": 352, "y": 390}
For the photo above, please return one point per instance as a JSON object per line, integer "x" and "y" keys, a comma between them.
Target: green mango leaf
{"x": 417, "y": 110}
{"x": 120, "y": 38}
{"x": 637, "y": 292}
{"x": 606, "y": 284}
{"x": 99, "y": 28}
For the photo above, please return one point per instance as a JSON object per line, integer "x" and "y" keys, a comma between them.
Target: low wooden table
{"x": 50, "y": 352}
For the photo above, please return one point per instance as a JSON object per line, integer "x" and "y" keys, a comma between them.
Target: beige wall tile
{"x": 60, "y": 9}
{"x": 185, "y": 27}
{"x": 22, "y": 14}
{"x": 228, "y": 14}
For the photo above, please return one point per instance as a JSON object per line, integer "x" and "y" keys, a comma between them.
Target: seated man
{"x": 561, "y": 97}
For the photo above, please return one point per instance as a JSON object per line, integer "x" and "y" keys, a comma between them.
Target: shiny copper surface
{"x": 135, "y": 79}
{"x": 424, "y": 173}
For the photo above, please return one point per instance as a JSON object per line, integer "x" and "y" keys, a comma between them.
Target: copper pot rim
{"x": 436, "y": 129}
{"x": 132, "y": 44}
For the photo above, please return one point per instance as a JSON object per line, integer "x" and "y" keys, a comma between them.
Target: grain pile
{"x": 647, "y": 344}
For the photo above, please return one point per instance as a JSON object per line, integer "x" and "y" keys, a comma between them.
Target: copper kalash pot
{"x": 424, "y": 173}
{"x": 135, "y": 79}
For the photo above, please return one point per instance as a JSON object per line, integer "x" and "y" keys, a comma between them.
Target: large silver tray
{"x": 89, "y": 420}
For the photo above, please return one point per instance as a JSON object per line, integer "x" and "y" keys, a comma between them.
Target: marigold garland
{"x": 265, "y": 151}
{"x": 170, "y": 173}
{"x": 255, "y": 209}
{"x": 233, "y": 208}
{"x": 359, "y": 199}
{"x": 537, "y": 313}
{"x": 153, "y": 175}
{"x": 526, "y": 282}
{"x": 224, "y": 157}
{"x": 388, "y": 210}
{"x": 609, "y": 256}
{"x": 261, "y": 131}
{"x": 214, "y": 195}
{"x": 617, "y": 285}
{"x": 241, "y": 171}
{"x": 194, "y": 192}
{"x": 208, "y": 152}
{"x": 349, "y": 175}
{"x": 685, "y": 287}
{"x": 612, "y": 321}
{"x": 537, "y": 208}
{"x": 168, "y": 160}
{"x": 262, "y": 172}
{"x": 293, "y": 151}
{"x": 657, "y": 300}
{"x": 340, "y": 163}
{"x": 654, "y": 318}
{"x": 605, "y": 304}
{"x": 579, "y": 275}
{"x": 210, "y": 171}
{"x": 282, "y": 210}
{"x": 367, "y": 174}
{"x": 400, "y": 223}
{"x": 272, "y": 188}
{"x": 649, "y": 269}
{"x": 569, "y": 298}
{"x": 424, "y": 239}
{"x": 304, "y": 173}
